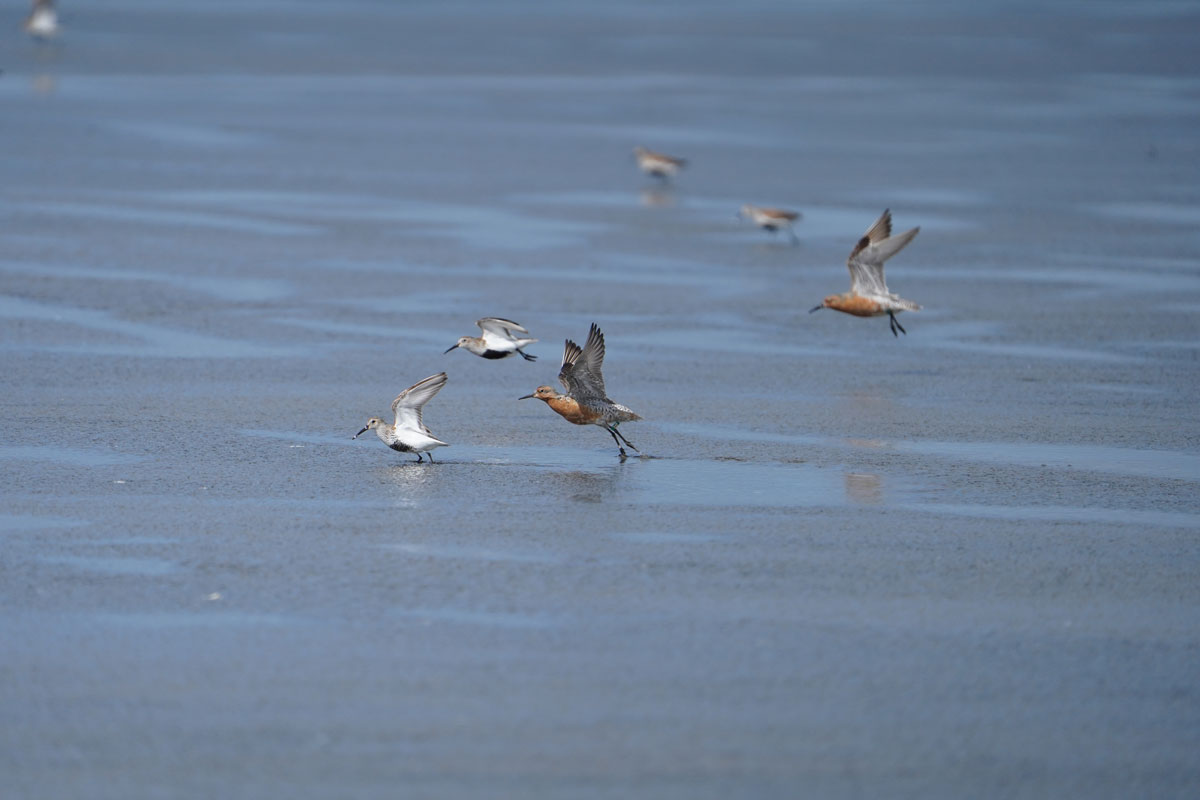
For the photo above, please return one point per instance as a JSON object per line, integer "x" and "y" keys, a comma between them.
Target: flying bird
{"x": 585, "y": 402}
{"x": 498, "y": 340}
{"x": 869, "y": 295}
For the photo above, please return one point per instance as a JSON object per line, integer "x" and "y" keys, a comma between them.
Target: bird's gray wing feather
{"x": 581, "y": 373}
{"x": 500, "y": 326}
{"x": 875, "y": 247}
{"x": 408, "y": 404}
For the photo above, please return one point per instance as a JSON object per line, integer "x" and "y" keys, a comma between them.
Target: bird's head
{"x": 542, "y": 393}
{"x": 372, "y": 424}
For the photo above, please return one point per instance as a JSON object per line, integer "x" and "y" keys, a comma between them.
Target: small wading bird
{"x": 659, "y": 165}
{"x": 869, "y": 295}
{"x": 497, "y": 341}
{"x": 771, "y": 219}
{"x": 408, "y": 433}
{"x": 585, "y": 402}
{"x": 42, "y": 22}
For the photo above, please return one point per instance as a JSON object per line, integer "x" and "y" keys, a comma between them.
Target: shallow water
{"x": 957, "y": 563}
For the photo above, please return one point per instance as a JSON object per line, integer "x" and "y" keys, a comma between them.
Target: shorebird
{"x": 659, "y": 165}
{"x": 408, "y": 433}
{"x": 42, "y": 22}
{"x": 585, "y": 402}
{"x": 497, "y": 340}
{"x": 771, "y": 219}
{"x": 869, "y": 295}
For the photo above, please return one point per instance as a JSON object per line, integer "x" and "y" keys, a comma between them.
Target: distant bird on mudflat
{"x": 497, "y": 341}
{"x": 585, "y": 402}
{"x": 658, "y": 165}
{"x": 42, "y": 22}
{"x": 869, "y": 295}
{"x": 408, "y": 433}
{"x": 772, "y": 219}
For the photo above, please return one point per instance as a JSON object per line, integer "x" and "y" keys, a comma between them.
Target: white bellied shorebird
{"x": 771, "y": 219}
{"x": 585, "y": 402}
{"x": 42, "y": 22}
{"x": 869, "y": 295}
{"x": 497, "y": 341}
{"x": 658, "y": 165}
{"x": 408, "y": 433}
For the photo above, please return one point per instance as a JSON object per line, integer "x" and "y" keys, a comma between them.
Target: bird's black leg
{"x": 419, "y": 459}
{"x": 430, "y": 457}
{"x": 620, "y": 449}
{"x": 617, "y": 433}
{"x": 526, "y": 356}
{"x": 896, "y": 324}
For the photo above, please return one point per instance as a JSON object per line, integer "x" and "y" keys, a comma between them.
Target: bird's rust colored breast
{"x": 571, "y": 411}
{"x": 856, "y": 305}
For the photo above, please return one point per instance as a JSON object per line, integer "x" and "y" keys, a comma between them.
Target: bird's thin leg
{"x": 419, "y": 459}
{"x": 430, "y": 455}
{"x": 896, "y": 324}
{"x": 620, "y": 449}
{"x": 526, "y": 356}
{"x": 617, "y": 433}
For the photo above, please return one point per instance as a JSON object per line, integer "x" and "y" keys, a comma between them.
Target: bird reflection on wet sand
{"x": 657, "y": 197}
{"x": 863, "y": 488}
{"x": 581, "y": 486}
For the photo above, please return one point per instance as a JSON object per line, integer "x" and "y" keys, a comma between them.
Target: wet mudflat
{"x": 957, "y": 563}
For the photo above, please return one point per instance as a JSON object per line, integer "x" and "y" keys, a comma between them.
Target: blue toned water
{"x": 957, "y": 563}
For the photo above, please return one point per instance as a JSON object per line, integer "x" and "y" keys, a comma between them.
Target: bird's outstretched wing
{"x": 581, "y": 372}
{"x": 500, "y": 326}
{"x": 876, "y": 246}
{"x": 408, "y": 404}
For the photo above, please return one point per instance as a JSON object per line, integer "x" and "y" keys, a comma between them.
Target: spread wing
{"x": 876, "y": 246}
{"x": 500, "y": 326}
{"x": 499, "y": 332}
{"x": 407, "y": 406}
{"x": 580, "y": 374}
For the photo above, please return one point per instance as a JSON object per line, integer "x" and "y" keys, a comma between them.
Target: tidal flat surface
{"x": 958, "y": 563}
